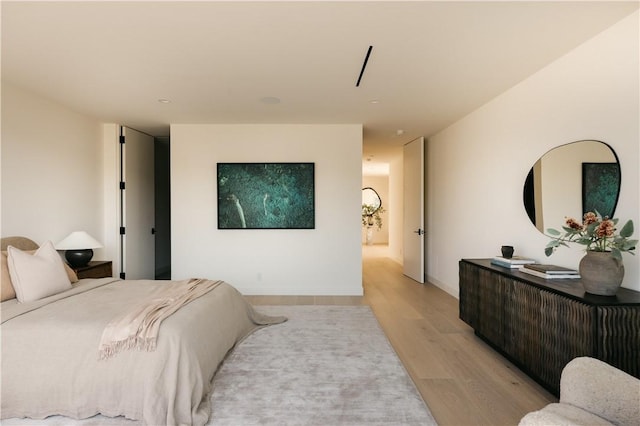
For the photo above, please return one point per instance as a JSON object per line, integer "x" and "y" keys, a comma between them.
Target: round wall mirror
{"x": 571, "y": 180}
{"x": 371, "y": 199}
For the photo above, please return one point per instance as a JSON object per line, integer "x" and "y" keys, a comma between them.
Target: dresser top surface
{"x": 570, "y": 287}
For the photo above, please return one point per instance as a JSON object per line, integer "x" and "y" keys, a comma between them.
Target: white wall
{"x": 326, "y": 260}
{"x": 477, "y": 167}
{"x": 51, "y": 169}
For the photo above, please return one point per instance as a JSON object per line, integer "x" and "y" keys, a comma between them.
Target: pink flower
{"x": 589, "y": 218}
{"x": 605, "y": 229}
{"x": 573, "y": 224}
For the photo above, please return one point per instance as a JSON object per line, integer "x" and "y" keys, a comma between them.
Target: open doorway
{"x": 162, "y": 188}
{"x": 375, "y": 222}
{"x": 383, "y": 172}
{"x": 375, "y": 230}
{"x": 387, "y": 172}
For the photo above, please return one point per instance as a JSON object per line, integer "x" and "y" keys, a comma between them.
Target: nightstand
{"x": 95, "y": 269}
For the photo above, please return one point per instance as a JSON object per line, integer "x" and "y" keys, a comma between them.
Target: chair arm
{"x": 601, "y": 389}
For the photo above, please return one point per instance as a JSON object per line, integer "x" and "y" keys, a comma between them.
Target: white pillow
{"x": 39, "y": 275}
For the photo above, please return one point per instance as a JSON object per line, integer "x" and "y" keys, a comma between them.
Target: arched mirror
{"x": 371, "y": 207}
{"x": 570, "y": 180}
{"x": 371, "y": 199}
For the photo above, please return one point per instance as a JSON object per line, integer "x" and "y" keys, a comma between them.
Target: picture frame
{"x": 266, "y": 195}
{"x": 600, "y": 188}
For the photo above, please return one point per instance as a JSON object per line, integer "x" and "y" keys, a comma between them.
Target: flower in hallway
{"x": 371, "y": 215}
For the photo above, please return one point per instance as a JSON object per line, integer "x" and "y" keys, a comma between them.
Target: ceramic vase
{"x": 369, "y": 236}
{"x": 601, "y": 273}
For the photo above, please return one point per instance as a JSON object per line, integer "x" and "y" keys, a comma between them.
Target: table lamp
{"x": 78, "y": 248}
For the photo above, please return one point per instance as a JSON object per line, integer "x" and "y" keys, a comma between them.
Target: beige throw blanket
{"x": 138, "y": 328}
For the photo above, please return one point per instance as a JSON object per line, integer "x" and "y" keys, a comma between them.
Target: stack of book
{"x": 512, "y": 262}
{"x": 550, "y": 272}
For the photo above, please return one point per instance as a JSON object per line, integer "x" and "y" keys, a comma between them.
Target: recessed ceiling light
{"x": 164, "y": 101}
{"x": 270, "y": 100}
{"x": 399, "y": 132}
{"x": 374, "y": 101}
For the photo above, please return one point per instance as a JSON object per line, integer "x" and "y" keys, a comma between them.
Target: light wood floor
{"x": 462, "y": 380}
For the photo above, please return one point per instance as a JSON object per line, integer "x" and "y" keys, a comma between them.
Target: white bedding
{"x": 50, "y": 362}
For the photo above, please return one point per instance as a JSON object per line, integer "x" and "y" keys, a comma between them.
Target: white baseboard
{"x": 454, "y": 291}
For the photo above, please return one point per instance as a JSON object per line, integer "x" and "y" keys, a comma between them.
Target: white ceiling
{"x": 223, "y": 62}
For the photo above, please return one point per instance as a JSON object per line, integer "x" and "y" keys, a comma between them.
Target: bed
{"x": 50, "y": 362}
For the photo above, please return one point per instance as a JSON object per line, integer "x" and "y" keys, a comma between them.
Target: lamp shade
{"x": 78, "y": 248}
{"x": 78, "y": 240}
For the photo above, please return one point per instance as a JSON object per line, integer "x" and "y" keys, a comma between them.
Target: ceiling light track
{"x": 364, "y": 65}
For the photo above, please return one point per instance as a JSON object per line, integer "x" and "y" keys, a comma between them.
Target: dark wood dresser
{"x": 541, "y": 325}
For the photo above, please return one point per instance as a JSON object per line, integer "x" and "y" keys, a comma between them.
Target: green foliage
{"x": 595, "y": 233}
{"x": 371, "y": 215}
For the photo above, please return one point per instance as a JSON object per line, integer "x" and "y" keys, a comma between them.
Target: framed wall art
{"x": 600, "y": 188}
{"x": 266, "y": 195}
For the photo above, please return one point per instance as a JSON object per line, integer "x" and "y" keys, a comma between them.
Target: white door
{"x": 138, "y": 243}
{"x": 413, "y": 220}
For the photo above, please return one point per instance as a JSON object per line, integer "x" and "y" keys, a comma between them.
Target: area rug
{"x": 327, "y": 365}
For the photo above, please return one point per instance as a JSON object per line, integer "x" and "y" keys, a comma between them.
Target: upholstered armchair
{"x": 591, "y": 393}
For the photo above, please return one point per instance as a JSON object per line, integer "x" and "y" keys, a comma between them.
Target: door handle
{"x": 419, "y": 231}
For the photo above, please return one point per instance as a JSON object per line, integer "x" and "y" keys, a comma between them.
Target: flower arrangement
{"x": 371, "y": 214}
{"x": 597, "y": 233}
